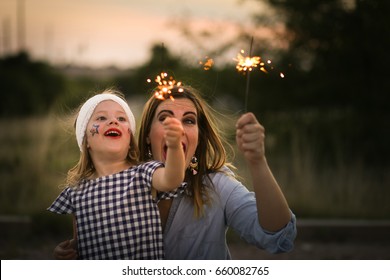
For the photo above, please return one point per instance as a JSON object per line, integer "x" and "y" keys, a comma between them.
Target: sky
{"x": 120, "y": 33}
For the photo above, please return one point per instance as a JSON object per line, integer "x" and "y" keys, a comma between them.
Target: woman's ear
{"x": 148, "y": 140}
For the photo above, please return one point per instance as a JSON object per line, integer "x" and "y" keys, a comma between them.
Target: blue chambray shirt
{"x": 188, "y": 237}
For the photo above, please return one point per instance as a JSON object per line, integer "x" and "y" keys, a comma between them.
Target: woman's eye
{"x": 189, "y": 121}
{"x": 162, "y": 118}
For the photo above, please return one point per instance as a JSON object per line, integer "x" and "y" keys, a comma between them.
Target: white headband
{"x": 88, "y": 108}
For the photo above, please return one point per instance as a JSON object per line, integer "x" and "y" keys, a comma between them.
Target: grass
{"x": 34, "y": 156}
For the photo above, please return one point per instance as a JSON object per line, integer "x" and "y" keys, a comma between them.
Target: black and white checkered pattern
{"x": 116, "y": 215}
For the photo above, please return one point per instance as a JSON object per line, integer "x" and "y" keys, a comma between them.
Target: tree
{"x": 342, "y": 48}
{"x": 28, "y": 87}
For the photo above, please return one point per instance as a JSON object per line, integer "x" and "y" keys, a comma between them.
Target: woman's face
{"x": 108, "y": 130}
{"x": 184, "y": 110}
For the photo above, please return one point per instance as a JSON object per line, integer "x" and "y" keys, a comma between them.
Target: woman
{"x": 195, "y": 223}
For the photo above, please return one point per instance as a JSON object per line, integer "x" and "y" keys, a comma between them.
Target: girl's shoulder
{"x": 148, "y": 165}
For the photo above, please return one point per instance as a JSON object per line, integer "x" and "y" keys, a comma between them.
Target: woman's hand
{"x": 250, "y": 138}
{"x": 66, "y": 250}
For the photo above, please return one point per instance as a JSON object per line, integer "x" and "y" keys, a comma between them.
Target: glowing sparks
{"x": 165, "y": 84}
{"x": 246, "y": 63}
{"x": 207, "y": 63}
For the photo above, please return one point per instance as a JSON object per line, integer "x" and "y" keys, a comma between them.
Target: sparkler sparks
{"x": 207, "y": 63}
{"x": 281, "y": 74}
{"x": 246, "y": 63}
{"x": 165, "y": 84}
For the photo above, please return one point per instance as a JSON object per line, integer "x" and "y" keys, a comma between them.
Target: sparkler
{"x": 246, "y": 65}
{"x": 207, "y": 63}
{"x": 165, "y": 84}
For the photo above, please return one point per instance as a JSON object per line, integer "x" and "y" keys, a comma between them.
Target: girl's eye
{"x": 101, "y": 118}
{"x": 122, "y": 119}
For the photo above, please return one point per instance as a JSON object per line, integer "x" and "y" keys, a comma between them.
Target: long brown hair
{"x": 210, "y": 152}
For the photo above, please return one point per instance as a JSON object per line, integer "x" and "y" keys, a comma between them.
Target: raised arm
{"x": 172, "y": 175}
{"x": 272, "y": 208}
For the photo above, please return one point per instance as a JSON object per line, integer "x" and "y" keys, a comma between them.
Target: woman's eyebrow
{"x": 171, "y": 113}
{"x": 165, "y": 111}
{"x": 190, "y": 113}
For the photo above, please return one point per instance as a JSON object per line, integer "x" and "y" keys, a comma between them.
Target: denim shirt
{"x": 188, "y": 237}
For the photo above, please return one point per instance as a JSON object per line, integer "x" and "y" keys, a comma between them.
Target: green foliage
{"x": 27, "y": 87}
{"x": 341, "y": 48}
{"x": 339, "y": 56}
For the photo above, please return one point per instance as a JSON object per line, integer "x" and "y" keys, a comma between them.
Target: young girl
{"x": 109, "y": 194}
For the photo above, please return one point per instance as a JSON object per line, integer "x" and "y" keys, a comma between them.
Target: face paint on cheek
{"x": 95, "y": 129}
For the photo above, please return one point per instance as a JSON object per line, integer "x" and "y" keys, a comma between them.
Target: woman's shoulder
{"x": 223, "y": 180}
{"x": 223, "y": 174}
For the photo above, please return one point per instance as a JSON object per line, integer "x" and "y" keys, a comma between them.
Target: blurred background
{"x": 323, "y": 99}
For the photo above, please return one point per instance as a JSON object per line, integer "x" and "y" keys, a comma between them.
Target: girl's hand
{"x": 173, "y": 132}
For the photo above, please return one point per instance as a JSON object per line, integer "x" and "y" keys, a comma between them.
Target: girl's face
{"x": 108, "y": 130}
{"x": 184, "y": 110}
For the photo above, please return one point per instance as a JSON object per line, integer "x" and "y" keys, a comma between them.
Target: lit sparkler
{"x": 207, "y": 63}
{"x": 165, "y": 84}
{"x": 246, "y": 65}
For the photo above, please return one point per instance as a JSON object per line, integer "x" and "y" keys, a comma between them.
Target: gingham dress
{"x": 116, "y": 215}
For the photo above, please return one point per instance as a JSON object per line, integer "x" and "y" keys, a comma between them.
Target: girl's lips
{"x": 113, "y": 132}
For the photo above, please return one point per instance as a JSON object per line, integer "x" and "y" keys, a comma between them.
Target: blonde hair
{"x": 85, "y": 169}
{"x": 210, "y": 152}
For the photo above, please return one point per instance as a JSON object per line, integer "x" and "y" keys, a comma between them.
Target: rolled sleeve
{"x": 241, "y": 215}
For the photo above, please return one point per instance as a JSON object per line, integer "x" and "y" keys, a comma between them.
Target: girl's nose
{"x": 113, "y": 121}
